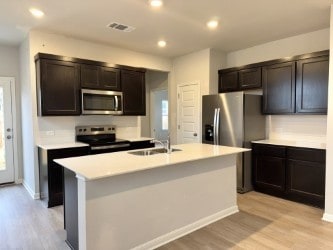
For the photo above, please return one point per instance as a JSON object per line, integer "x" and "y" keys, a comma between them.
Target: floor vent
{"x": 121, "y": 27}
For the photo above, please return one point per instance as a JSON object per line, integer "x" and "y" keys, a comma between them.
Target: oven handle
{"x": 123, "y": 145}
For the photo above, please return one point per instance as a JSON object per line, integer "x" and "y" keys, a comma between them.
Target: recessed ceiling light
{"x": 156, "y": 3}
{"x": 212, "y": 24}
{"x": 36, "y": 12}
{"x": 161, "y": 43}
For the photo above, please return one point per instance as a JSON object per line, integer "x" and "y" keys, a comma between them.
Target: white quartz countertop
{"x": 62, "y": 145}
{"x": 110, "y": 164}
{"x": 302, "y": 144}
{"x": 49, "y": 146}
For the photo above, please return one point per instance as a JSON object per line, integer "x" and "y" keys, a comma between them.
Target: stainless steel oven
{"x": 101, "y": 138}
{"x": 101, "y": 102}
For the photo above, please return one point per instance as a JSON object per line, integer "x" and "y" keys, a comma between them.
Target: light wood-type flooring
{"x": 264, "y": 222}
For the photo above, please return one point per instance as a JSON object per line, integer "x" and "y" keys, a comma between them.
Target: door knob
{"x": 9, "y": 137}
{"x": 8, "y": 129}
{"x": 195, "y": 134}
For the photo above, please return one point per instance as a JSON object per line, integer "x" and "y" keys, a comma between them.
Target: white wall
{"x": 328, "y": 215}
{"x": 291, "y": 46}
{"x": 9, "y": 67}
{"x": 200, "y": 66}
{"x": 36, "y": 129}
{"x": 217, "y": 61}
{"x": 288, "y": 127}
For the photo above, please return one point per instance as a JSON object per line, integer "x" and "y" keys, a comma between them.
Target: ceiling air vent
{"x": 121, "y": 27}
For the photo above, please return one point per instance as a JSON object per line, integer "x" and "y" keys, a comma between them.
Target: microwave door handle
{"x": 116, "y": 102}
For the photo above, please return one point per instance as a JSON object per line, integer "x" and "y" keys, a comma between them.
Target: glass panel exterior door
{"x": 6, "y": 141}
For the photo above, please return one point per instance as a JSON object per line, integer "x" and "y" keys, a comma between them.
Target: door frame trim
{"x": 15, "y": 119}
{"x": 195, "y": 82}
{"x": 151, "y": 103}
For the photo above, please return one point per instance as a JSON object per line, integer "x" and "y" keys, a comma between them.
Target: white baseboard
{"x": 328, "y": 217}
{"x": 34, "y": 195}
{"x": 159, "y": 241}
{"x": 19, "y": 181}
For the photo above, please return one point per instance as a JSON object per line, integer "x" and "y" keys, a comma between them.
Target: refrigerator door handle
{"x": 217, "y": 126}
{"x": 214, "y": 126}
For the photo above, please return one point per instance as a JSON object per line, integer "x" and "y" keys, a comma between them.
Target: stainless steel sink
{"x": 154, "y": 151}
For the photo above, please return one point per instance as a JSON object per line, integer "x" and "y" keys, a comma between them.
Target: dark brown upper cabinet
{"x": 312, "y": 85}
{"x": 250, "y": 78}
{"x": 58, "y": 87}
{"x": 228, "y": 81}
{"x": 279, "y": 88}
{"x": 134, "y": 92}
{"x": 242, "y": 79}
{"x": 97, "y": 77}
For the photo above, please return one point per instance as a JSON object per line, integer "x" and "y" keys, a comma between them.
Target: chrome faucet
{"x": 165, "y": 144}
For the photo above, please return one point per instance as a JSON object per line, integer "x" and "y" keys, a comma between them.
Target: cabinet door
{"x": 306, "y": 175}
{"x": 250, "y": 78}
{"x": 228, "y": 81}
{"x": 312, "y": 85}
{"x": 90, "y": 76}
{"x": 279, "y": 88}
{"x": 269, "y": 173}
{"x": 306, "y": 182}
{"x": 58, "y": 82}
{"x": 110, "y": 78}
{"x": 134, "y": 92}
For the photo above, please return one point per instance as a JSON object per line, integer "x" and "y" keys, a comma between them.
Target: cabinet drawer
{"x": 269, "y": 150}
{"x": 306, "y": 154}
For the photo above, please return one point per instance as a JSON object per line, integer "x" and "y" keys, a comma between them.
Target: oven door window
{"x": 101, "y": 102}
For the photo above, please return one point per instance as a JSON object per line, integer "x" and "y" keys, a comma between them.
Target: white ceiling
{"x": 182, "y": 23}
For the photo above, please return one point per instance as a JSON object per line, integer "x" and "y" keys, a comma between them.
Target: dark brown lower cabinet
{"x": 51, "y": 174}
{"x": 293, "y": 173}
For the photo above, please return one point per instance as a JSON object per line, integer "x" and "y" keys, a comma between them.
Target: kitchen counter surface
{"x": 111, "y": 164}
{"x": 301, "y": 144}
{"x": 62, "y": 145}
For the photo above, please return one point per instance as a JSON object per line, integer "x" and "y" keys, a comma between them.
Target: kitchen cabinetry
{"x": 51, "y": 174}
{"x": 279, "y": 88}
{"x": 312, "y": 85}
{"x": 294, "y": 85}
{"x": 247, "y": 78}
{"x": 292, "y": 173}
{"x": 142, "y": 144}
{"x": 288, "y": 89}
{"x": 58, "y": 87}
{"x": 134, "y": 92}
{"x": 269, "y": 168}
{"x": 228, "y": 81}
{"x": 60, "y": 79}
{"x": 97, "y": 77}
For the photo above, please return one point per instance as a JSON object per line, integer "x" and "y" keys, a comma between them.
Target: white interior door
{"x": 159, "y": 114}
{"x": 188, "y": 113}
{"x": 6, "y": 135}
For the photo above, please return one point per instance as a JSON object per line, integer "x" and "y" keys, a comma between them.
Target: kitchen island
{"x": 124, "y": 201}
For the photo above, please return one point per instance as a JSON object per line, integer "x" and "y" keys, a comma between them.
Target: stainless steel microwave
{"x": 101, "y": 102}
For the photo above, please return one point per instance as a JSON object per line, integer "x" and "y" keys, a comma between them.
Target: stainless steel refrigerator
{"x": 234, "y": 119}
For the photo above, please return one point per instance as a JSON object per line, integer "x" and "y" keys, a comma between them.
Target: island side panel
{"x": 149, "y": 208}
